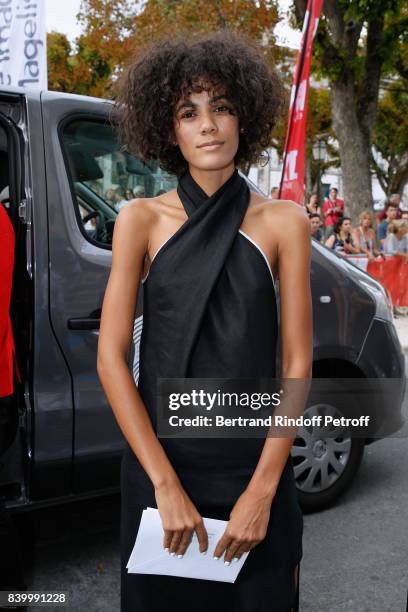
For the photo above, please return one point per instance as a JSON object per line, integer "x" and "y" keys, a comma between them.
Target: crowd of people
{"x": 375, "y": 236}
{"x": 385, "y": 233}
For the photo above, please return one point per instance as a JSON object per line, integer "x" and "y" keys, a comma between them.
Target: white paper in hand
{"x": 149, "y": 557}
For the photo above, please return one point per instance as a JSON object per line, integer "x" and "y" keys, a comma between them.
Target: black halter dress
{"x": 210, "y": 311}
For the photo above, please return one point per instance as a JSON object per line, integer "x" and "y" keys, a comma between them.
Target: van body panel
{"x": 52, "y": 415}
{"x": 79, "y": 273}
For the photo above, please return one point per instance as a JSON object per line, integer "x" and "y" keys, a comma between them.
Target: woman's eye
{"x": 222, "y": 108}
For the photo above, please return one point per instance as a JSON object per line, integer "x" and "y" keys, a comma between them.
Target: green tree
{"x": 357, "y": 43}
{"x": 319, "y": 125}
{"x": 107, "y": 41}
{"x": 114, "y": 30}
{"x": 390, "y": 138}
{"x": 60, "y": 73}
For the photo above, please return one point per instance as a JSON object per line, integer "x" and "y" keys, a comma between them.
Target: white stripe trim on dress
{"x": 156, "y": 253}
{"x": 260, "y": 250}
{"x": 137, "y": 334}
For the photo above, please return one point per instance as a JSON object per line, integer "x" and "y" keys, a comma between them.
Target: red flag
{"x": 293, "y": 172}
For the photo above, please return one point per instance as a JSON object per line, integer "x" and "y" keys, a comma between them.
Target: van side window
{"x": 104, "y": 178}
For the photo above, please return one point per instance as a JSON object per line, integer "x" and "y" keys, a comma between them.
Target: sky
{"x": 61, "y": 16}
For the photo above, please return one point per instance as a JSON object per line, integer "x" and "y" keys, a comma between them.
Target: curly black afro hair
{"x": 167, "y": 71}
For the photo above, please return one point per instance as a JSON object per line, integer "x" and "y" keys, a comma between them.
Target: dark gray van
{"x": 63, "y": 178}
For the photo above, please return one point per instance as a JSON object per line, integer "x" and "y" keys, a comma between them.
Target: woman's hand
{"x": 247, "y": 525}
{"x": 180, "y": 519}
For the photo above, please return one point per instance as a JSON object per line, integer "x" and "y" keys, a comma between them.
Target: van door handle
{"x": 85, "y": 323}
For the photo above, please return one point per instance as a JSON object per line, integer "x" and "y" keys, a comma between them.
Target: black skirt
{"x": 266, "y": 582}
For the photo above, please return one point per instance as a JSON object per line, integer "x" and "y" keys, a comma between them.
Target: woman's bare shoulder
{"x": 138, "y": 220}
{"x": 145, "y": 211}
{"x": 277, "y": 210}
{"x": 151, "y": 208}
{"x": 132, "y": 226}
{"x": 146, "y": 207}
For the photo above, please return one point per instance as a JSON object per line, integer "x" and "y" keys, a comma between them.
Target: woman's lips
{"x": 211, "y": 147}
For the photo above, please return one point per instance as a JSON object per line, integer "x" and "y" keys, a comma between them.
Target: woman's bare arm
{"x": 357, "y": 243}
{"x": 376, "y": 252}
{"x": 130, "y": 242}
{"x": 296, "y": 325}
{"x": 250, "y": 515}
{"x": 129, "y": 246}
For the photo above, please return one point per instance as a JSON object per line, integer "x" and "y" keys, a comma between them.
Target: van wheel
{"x": 324, "y": 467}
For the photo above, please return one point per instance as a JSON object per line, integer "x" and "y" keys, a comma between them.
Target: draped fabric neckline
{"x": 193, "y": 198}
{"x": 195, "y": 257}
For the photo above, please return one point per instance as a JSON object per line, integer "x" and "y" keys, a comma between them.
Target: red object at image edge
{"x": 7, "y": 349}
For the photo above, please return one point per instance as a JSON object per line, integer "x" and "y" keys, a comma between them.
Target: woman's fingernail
{"x": 172, "y": 554}
{"x": 180, "y": 556}
{"x": 227, "y": 562}
{"x": 203, "y": 552}
{"x": 235, "y": 559}
{"x": 215, "y": 558}
{"x": 167, "y": 549}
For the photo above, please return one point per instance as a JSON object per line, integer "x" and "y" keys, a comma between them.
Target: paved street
{"x": 355, "y": 555}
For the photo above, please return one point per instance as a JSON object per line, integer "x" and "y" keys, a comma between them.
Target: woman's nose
{"x": 207, "y": 124}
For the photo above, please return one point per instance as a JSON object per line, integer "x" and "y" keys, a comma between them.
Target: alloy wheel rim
{"x": 318, "y": 460}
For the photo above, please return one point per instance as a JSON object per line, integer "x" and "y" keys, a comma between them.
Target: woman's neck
{"x": 211, "y": 180}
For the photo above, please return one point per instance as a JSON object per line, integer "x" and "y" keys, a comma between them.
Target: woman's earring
{"x": 242, "y": 130}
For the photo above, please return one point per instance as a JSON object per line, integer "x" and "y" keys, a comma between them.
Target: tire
{"x": 324, "y": 467}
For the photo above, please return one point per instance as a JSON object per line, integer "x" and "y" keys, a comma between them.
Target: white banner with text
{"x": 23, "y": 53}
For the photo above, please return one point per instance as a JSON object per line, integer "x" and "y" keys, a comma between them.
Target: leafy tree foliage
{"x": 358, "y": 43}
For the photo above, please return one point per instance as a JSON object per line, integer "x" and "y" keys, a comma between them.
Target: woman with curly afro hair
{"x": 208, "y": 255}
